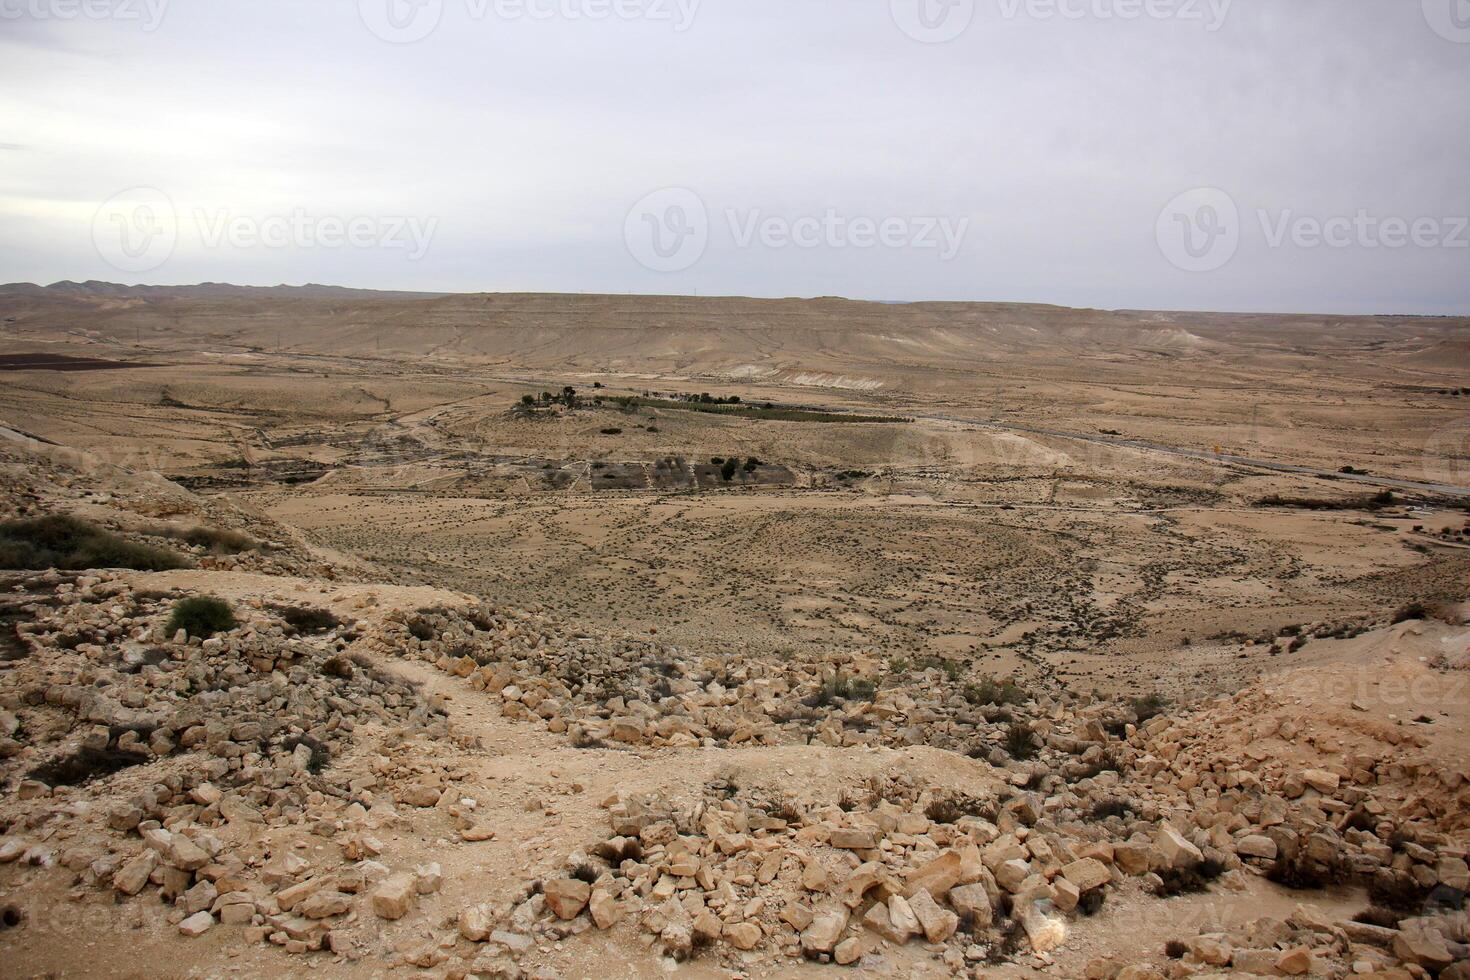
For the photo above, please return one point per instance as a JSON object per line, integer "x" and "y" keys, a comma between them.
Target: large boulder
{"x": 567, "y": 897}
{"x": 1176, "y": 849}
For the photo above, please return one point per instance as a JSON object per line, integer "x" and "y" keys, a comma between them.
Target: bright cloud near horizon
{"x": 1264, "y": 155}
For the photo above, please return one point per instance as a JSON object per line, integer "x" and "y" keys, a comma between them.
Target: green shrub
{"x": 220, "y": 540}
{"x": 1416, "y": 611}
{"x": 339, "y": 667}
{"x": 1149, "y": 706}
{"x": 67, "y": 543}
{"x": 306, "y": 619}
{"x": 952, "y": 669}
{"x": 846, "y": 688}
{"x": 1020, "y": 742}
{"x": 201, "y": 616}
{"x": 727, "y": 471}
{"x": 990, "y": 691}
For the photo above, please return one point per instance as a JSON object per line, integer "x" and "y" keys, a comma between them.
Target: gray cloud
{"x": 1059, "y": 140}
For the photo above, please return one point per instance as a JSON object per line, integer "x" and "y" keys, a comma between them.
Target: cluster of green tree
{"x": 567, "y": 396}
{"x": 767, "y": 412}
{"x": 728, "y": 467}
{"x": 703, "y": 398}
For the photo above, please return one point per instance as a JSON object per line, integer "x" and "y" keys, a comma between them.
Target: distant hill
{"x": 819, "y": 342}
{"x": 204, "y": 290}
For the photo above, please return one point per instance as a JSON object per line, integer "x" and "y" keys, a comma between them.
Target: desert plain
{"x": 635, "y": 635}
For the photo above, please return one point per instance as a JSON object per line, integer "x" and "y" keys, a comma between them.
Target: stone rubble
{"x": 204, "y": 772}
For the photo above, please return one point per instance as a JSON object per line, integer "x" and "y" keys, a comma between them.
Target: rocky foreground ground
{"x": 358, "y": 777}
{"x": 260, "y": 784}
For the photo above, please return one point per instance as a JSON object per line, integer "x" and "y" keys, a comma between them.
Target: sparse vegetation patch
{"x": 71, "y": 544}
{"x": 202, "y": 616}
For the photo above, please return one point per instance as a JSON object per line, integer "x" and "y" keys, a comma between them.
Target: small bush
{"x": 1421, "y": 610}
{"x": 306, "y": 619}
{"x": 1149, "y": 706}
{"x": 1092, "y": 902}
{"x": 87, "y": 764}
{"x": 1182, "y": 881}
{"x": 220, "y": 541}
{"x": 1293, "y": 869}
{"x": 66, "y": 543}
{"x": 320, "y": 754}
{"x": 1020, "y": 742}
{"x": 846, "y": 688}
{"x": 951, "y": 809}
{"x": 202, "y": 616}
{"x": 1008, "y": 945}
{"x": 339, "y": 667}
{"x": 990, "y": 691}
{"x": 1377, "y": 916}
{"x": 784, "y": 810}
{"x": 1103, "y": 809}
{"x": 1397, "y": 891}
{"x": 582, "y": 740}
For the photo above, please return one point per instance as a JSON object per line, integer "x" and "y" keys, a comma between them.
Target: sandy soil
{"x": 984, "y": 531}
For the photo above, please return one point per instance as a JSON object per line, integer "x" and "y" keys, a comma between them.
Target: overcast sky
{"x": 1287, "y": 155}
